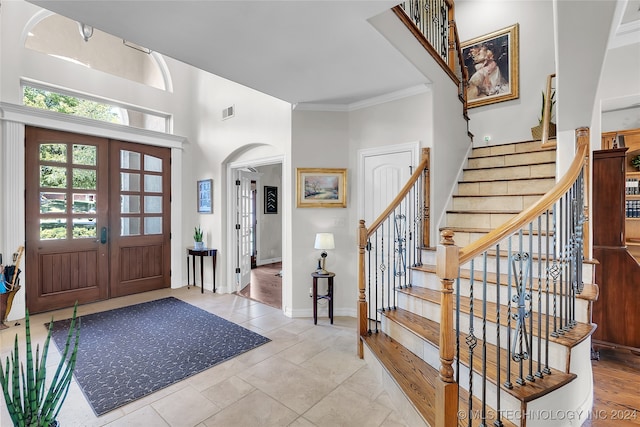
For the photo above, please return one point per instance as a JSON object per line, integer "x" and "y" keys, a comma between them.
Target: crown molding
{"x": 376, "y": 100}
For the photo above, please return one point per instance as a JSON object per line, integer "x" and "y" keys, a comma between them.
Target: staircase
{"x": 403, "y": 338}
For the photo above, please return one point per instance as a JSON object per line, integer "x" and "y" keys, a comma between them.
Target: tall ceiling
{"x": 298, "y": 51}
{"x": 313, "y": 51}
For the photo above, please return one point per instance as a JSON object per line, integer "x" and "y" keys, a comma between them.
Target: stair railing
{"x": 538, "y": 274}
{"x": 390, "y": 247}
{"x": 433, "y": 24}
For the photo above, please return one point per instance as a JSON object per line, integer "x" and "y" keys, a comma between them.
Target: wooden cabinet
{"x": 629, "y": 139}
{"x": 618, "y": 272}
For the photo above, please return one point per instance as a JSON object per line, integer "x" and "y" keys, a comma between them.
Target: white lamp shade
{"x": 324, "y": 241}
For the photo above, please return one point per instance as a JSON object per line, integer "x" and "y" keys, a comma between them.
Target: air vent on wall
{"x": 228, "y": 112}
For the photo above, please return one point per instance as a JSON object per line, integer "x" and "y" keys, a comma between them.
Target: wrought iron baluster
{"x": 520, "y": 349}
{"x": 540, "y": 254}
{"x": 472, "y": 342}
{"x": 498, "y": 421}
{"x": 484, "y": 339}
{"x": 368, "y": 249}
{"x": 554, "y": 271}
{"x": 530, "y": 376}
{"x": 508, "y": 384}
{"x": 546, "y": 369}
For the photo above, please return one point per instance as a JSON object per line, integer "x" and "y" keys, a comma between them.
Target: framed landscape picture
{"x": 321, "y": 188}
{"x": 491, "y": 62}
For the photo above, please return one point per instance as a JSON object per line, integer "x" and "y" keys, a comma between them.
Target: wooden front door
{"x": 91, "y": 233}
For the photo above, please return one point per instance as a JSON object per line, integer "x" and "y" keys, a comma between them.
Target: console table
{"x": 201, "y": 253}
{"x": 328, "y": 296}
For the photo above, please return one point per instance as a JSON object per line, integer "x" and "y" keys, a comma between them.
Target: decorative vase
{"x": 198, "y": 246}
{"x": 536, "y": 132}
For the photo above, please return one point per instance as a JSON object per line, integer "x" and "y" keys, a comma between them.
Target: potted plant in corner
{"x": 29, "y": 402}
{"x": 536, "y": 132}
{"x": 198, "y": 244}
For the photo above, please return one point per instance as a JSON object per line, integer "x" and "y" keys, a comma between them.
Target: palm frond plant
{"x": 29, "y": 402}
{"x": 197, "y": 234}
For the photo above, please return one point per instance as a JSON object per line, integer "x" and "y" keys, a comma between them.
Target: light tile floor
{"x": 308, "y": 375}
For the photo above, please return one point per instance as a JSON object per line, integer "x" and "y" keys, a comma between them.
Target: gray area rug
{"x": 130, "y": 352}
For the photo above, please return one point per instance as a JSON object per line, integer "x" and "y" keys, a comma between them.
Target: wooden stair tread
{"x": 529, "y": 391}
{"x": 589, "y": 292}
{"x": 485, "y": 230}
{"x": 479, "y": 211}
{"x": 416, "y": 378}
{"x": 570, "y": 338}
{"x": 497, "y": 195}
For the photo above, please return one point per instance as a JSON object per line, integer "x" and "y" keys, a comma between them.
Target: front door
{"x": 97, "y": 222}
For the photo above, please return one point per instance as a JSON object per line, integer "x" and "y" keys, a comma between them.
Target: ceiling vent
{"x": 228, "y": 112}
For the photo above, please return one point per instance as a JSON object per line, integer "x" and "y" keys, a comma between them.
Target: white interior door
{"x": 244, "y": 229}
{"x": 384, "y": 175}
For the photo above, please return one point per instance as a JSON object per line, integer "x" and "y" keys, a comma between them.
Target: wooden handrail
{"x": 526, "y": 216}
{"x": 396, "y": 201}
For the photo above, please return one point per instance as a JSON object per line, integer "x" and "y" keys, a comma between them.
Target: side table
{"x": 328, "y": 296}
{"x": 201, "y": 253}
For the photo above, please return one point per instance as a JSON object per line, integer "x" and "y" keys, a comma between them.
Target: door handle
{"x": 103, "y": 235}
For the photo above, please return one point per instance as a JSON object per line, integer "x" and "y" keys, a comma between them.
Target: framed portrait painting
{"x": 491, "y": 62}
{"x": 205, "y": 196}
{"x": 321, "y": 188}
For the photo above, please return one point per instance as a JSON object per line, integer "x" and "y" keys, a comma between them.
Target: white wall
{"x": 321, "y": 140}
{"x": 196, "y": 105}
{"x": 511, "y": 121}
{"x": 269, "y": 225}
{"x": 619, "y": 87}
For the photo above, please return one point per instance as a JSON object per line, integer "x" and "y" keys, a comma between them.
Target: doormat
{"x": 130, "y": 352}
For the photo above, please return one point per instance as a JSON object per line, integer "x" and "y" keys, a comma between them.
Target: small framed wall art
{"x": 270, "y": 200}
{"x": 321, "y": 188}
{"x": 205, "y": 196}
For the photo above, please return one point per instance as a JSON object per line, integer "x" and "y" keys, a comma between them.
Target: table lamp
{"x": 324, "y": 241}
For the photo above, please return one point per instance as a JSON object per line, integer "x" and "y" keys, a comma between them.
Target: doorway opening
{"x": 256, "y": 224}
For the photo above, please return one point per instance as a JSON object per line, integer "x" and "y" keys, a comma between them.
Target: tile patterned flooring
{"x": 306, "y": 376}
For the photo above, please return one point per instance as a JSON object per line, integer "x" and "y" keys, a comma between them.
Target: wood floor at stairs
{"x": 570, "y": 338}
{"x": 416, "y": 379}
{"x": 430, "y": 330}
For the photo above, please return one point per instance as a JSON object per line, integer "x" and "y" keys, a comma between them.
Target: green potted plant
{"x": 29, "y": 402}
{"x": 198, "y": 244}
{"x": 536, "y": 132}
{"x": 635, "y": 162}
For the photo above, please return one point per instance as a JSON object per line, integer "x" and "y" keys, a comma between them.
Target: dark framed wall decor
{"x": 270, "y": 200}
{"x": 205, "y": 196}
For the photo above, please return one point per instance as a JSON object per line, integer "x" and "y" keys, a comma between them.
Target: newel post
{"x": 362, "y": 300}
{"x": 447, "y": 266}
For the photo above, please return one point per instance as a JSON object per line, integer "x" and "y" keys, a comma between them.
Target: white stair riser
{"x": 494, "y": 202}
{"x": 512, "y": 159}
{"x": 528, "y": 186}
{"x": 510, "y": 172}
{"x": 477, "y": 220}
{"x": 494, "y": 150}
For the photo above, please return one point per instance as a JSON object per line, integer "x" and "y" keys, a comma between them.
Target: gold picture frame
{"x": 492, "y": 67}
{"x": 321, "y": 188}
